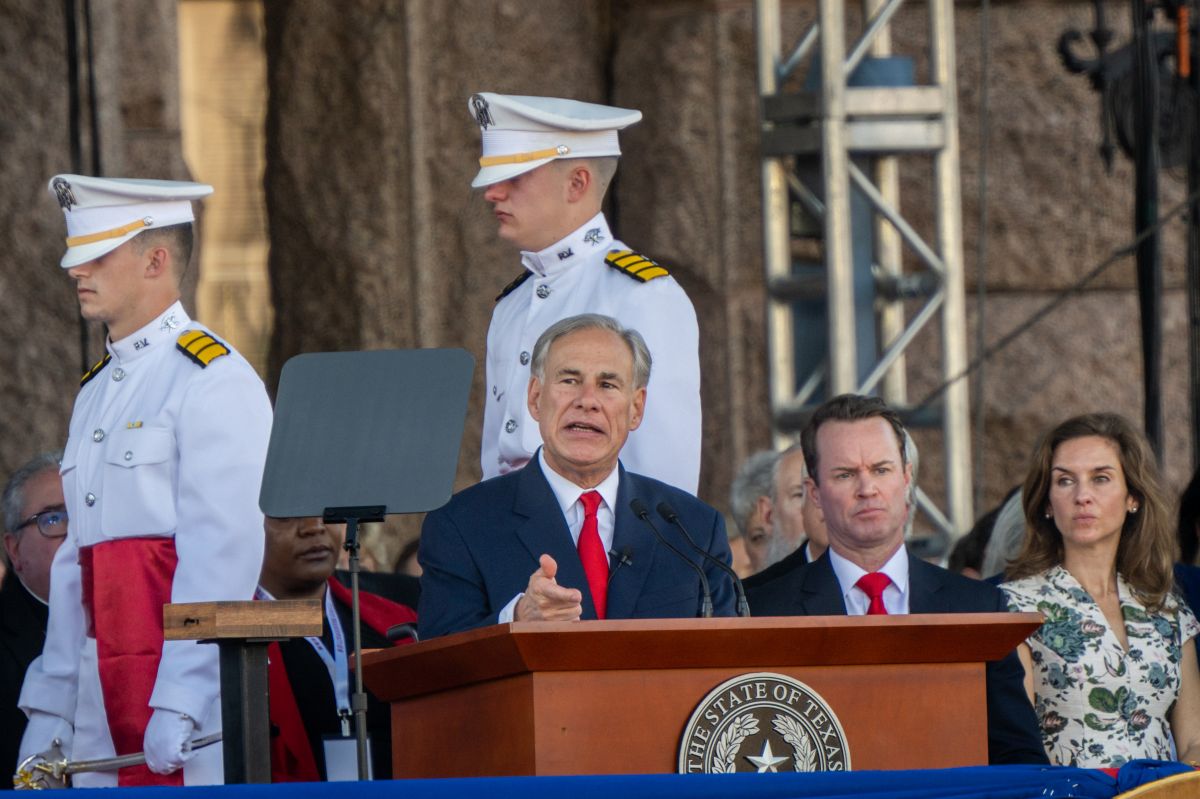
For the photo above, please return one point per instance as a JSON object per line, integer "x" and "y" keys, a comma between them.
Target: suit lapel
{"x": 820, "y": 591}
{"x": 924, "y": 583}
{"x": 545, "y": 531}
{"x": 630, "y": 537}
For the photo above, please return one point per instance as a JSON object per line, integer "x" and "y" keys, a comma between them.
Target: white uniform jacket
{"x": 158, "y": 446}
{"x": 569, "y": 278}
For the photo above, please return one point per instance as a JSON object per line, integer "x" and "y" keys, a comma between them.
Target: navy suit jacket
{"x": 479, "y": 551}
{"x": 813, "y": 590}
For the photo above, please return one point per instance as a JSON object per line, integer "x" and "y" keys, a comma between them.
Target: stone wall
{"x": 377, "y": 241}
{"x": 138, "y": 126}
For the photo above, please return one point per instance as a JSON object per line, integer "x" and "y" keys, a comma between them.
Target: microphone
{"x": 669, "y": 514}
{"x": 399, "y": 631}
{"x": 622, "y": 558}
{"x": 639, "y": 509}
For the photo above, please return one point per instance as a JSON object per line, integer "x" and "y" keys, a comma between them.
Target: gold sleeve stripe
{"x": 95, "y": 370}
{"x": 200, "y": 347}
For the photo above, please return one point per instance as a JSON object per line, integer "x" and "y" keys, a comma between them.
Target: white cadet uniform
{"x": 160, "y": 447}
{"x": 570, "y": 278}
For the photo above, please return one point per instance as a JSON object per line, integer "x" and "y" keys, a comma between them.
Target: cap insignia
{"x": 483, "y": 114}
{"x": 66, "y": 197}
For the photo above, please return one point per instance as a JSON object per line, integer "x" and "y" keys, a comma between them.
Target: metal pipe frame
{"x": 776, "y": 229}
{"x": 854, "y": 119}
{"x": 835, "y": 159}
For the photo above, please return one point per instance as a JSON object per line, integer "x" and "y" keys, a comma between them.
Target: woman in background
{"x": 1113, "y": 672}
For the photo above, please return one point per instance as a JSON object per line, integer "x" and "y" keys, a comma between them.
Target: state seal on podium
{"x": 763, "y": 722}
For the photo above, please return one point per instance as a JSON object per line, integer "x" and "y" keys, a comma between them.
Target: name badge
{"x": 341, "y": 759}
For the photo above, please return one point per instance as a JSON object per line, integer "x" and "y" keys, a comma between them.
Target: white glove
{"x": 40, "y": 733}
{"x": 168, "y": 740}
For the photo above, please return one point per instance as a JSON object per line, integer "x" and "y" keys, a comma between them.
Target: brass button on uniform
{"x": 90, "y": 499}
{"x": 524, "y": 358}
{"x": 118, "y": 374}
{"x": 97, "y": 435}
{"x": 510, "y": 425}
{"x": 543, "y": 292}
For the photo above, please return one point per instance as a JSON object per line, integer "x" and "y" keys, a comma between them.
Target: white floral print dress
{"x": 1098, "y": 705}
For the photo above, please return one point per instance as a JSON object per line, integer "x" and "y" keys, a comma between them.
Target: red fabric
{"x": 592, "y": 554}
{"x": 378, "y": 613}
{"x": 125, "y": 585}
{"x": 292, "y": 759}
{"x": 872, "y": 585}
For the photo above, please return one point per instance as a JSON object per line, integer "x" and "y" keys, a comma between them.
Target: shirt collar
{"x": 162, "y": 330}
{"x": 593, "y": 235}
{"x": 567, "y": 493}
{"x": 848, "y": 573}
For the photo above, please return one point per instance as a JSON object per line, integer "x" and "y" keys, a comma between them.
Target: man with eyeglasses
{"x": 35, "y": 521}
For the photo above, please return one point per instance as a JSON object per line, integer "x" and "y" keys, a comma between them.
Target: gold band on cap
{"x": 115, "y": 233}
{"x": 521, "y": 158}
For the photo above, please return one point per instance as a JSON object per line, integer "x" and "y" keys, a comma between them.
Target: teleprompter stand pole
{"x": 358, "y": 702}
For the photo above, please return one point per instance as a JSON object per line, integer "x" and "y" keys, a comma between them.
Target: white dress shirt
{"x": 895, "y": 596}
{"x": 568, "y": 494}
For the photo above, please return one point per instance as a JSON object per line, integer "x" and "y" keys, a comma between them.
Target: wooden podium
{"x": 613, "y": 697}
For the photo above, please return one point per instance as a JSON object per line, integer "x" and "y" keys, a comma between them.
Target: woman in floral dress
{"x": 1113, "y": 672}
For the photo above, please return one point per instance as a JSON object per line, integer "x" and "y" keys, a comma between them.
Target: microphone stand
{"x": 668, "y": 513}
{"x": 639, "y": 509}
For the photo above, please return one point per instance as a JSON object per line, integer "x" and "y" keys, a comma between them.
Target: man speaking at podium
{"x": 861, "y": 481}
{"x": 558, "y": 540}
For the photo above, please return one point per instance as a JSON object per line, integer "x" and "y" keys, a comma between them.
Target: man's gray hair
{"x": 913, "y": 458}
{"x": 14, "y": 494}
{"x": 593, "y": 321}
{"x": 787, "y": 453}
{"x": 753, "y": 480}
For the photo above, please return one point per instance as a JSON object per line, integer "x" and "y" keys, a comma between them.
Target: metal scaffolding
{"x": 846, "y": 126}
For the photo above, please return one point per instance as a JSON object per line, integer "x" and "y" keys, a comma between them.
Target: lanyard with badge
{"x": 338, "y": 663}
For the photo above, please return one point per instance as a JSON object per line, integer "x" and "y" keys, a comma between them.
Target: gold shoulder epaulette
{"x": 200, "y": 347}
{"x": 511, "y": 287}
{"x": 95, "y": 370}
{"x": 637, "y": 266}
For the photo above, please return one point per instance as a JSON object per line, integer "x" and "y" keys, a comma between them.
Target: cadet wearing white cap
{"x": 546, "y": 165}
{"x": 161, "y": 475}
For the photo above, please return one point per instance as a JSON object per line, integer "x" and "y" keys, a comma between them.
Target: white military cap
{"x": 104, "y": 213}
{"x": 522, "y": 133}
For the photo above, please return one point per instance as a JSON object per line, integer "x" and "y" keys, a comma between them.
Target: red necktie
{"x": 872, "y": 584}
{"x": 592, "y": 554}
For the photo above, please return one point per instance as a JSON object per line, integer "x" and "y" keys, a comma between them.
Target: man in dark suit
{"x": 557, "y": 540}
{"x": 861, "y": 480}
{"x": 35, "y": 522}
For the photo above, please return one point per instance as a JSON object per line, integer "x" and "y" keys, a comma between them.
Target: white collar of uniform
{"x": 160, "y": 332}
{"x": 567, "y": 493}
{"x": 849, "y": 573}
{"x": 591, "y": 236}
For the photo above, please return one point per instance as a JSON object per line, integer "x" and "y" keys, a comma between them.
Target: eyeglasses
{"x": 51, "y": 522}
